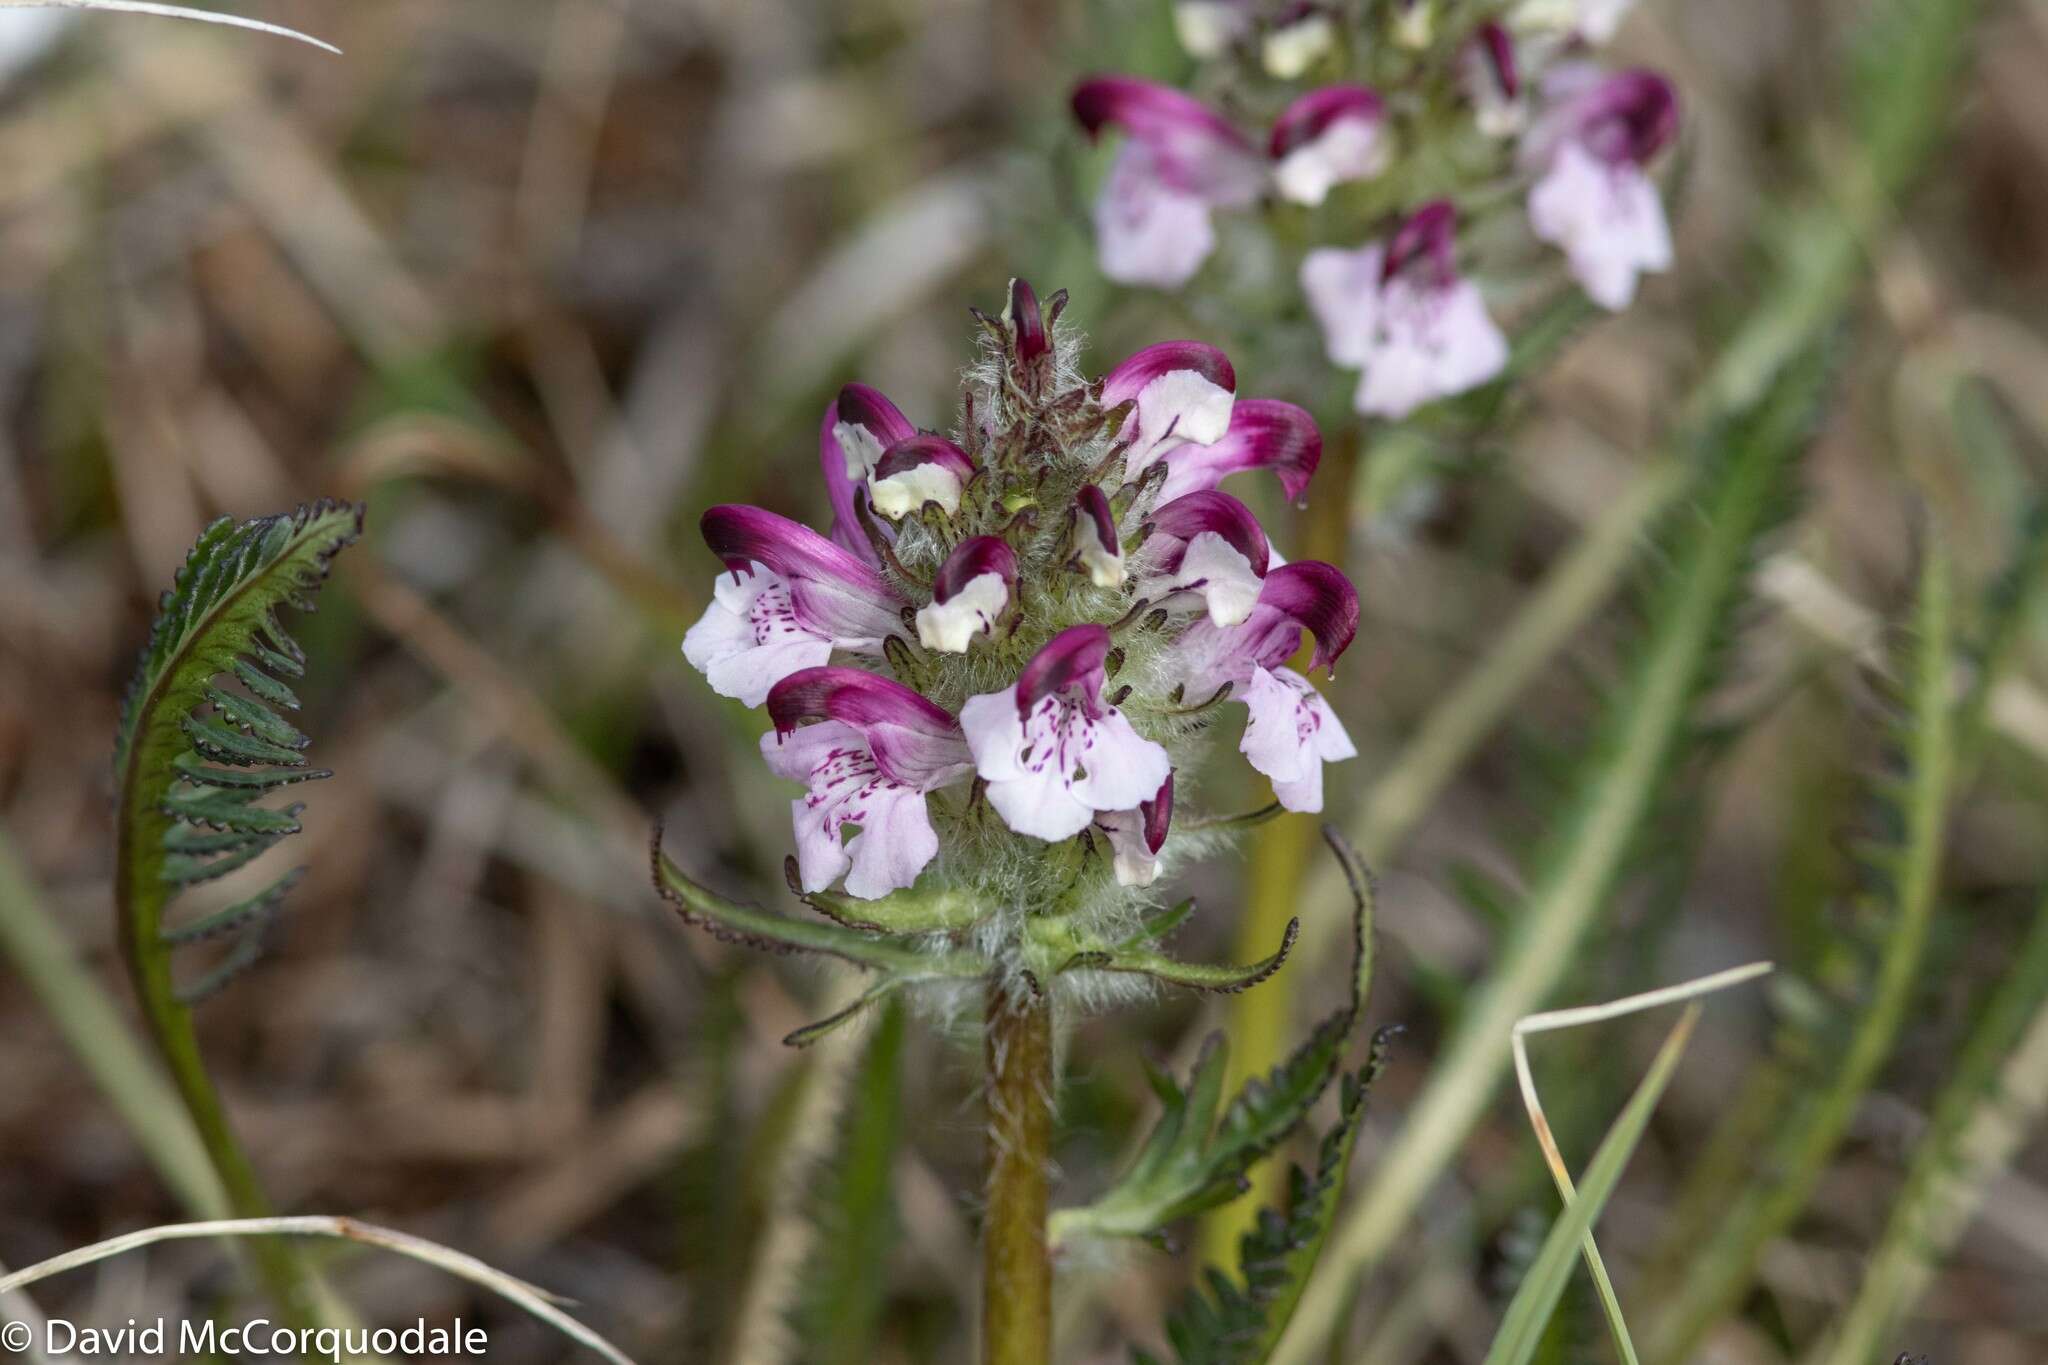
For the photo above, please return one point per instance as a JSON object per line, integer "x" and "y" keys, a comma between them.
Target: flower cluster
{"x": 1423, "y": 124}
{"x": 1018, "y": 634}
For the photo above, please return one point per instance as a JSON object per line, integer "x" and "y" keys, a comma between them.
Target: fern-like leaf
{"x": 1237, "y": 1321}
{"x": 203, "y": 740}
{"x": 1194, "y": 1160}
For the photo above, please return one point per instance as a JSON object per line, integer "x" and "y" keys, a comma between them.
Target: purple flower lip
{"x": 1072, "y": 658}
{"x": 1427, "y": 237}
{"x": 1265, "y": 433}
{"x": 1630, "y": 116}
{"x": 1193, "y": 148}
{"x": 1029, "y": 324}
{"x": 975, "y": 557}
{"x": 1157, "y": 815}
{"x": 847, "y": 532}
{"x": 1318, "y": 598}
{"x": 742, "y": 536}
{"x": 914, "y": 740}
{"x": 861, "y": 405}
{"x": 1128, "y": 379}
{"x": 1092, "y": 506}
{"x": 1146, "y": 109}
{"x": 1309, "y": 117}
{"x": 922, "y": 449}
{"x": 1187, "y": 517}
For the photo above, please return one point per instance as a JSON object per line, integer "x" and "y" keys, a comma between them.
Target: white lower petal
{"x": 895, "y": 839}
{"x": 1434, "y": 342}
{"x": 1146, "y": 232}
{"x": 901, "y": 494}
{"x": 895, "y": 843}
{"x": 1349, "y": 149}
{"x": 1111, "y": 766}
{"x": 950, "y": 626}
{"x": 1343, "y": 289}
{"x": 1607, "y": 219}
{"x": 1289, "y": 733}
{"x": 749, "y": 638}
{"x": 860, "y": 447}
{"x": 1291, "y": 50}
{"x": 1207, "y": 28}
{"x": 1133, "y": 863}
{"x": 1219, "y": 573}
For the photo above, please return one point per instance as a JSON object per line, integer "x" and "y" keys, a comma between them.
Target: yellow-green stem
{"x": 1016, "y": 1307}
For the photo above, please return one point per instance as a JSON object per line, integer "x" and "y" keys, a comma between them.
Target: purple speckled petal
{"x": 914, "y": 740}
{"x": 1072, "y": 658}
{"x": 833, "y": 591}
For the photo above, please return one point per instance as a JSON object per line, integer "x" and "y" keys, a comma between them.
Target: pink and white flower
{"x": 1184, "y": 392}
{"x": 1325, "y": 138}
{"x": 1401, "y": 313}
{"x": 1208, "y": 545}
{"x": 791, "y": 597}
{"x": 1053, "y": 752}
{"x": 1188, "y": 415}
{"x": 970, "y": 593}
{"x": 868, "y": 749}
{"x": 1593, "y": 198}
{"x": 1291, "y": 731}
{"x": 917, "y": 470}
{"x": 1136, "y": 836}
{"x": 1182, "y": 160}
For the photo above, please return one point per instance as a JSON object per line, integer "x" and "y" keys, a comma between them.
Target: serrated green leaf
{"x": 1237, "y": 1322}
{"x": 1193, "y": 1160}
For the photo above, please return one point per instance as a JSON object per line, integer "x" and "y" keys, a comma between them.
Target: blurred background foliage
{"x": 540, "y": 279}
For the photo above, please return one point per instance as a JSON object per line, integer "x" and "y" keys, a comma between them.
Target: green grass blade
{"x": 1521, "y": 1331}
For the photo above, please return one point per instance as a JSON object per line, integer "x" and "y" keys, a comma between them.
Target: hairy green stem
{"x": 1016, "y": 1309}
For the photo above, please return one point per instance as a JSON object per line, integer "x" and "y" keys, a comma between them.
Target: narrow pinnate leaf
{"x": 192, "y": 759}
